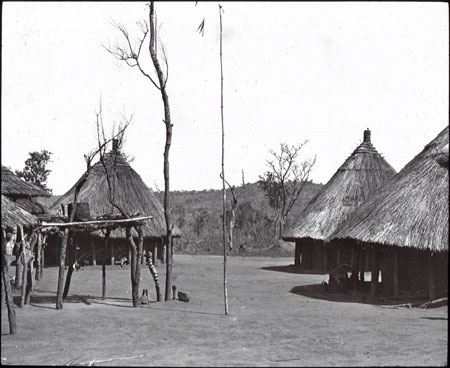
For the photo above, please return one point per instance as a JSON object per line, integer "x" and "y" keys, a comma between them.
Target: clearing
{"x": 272, "y": 322}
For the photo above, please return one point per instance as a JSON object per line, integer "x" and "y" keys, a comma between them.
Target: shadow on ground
{"x": 363, "y": 297}
{"x": 294, "y": 269}
{"x": 39, "y": 297}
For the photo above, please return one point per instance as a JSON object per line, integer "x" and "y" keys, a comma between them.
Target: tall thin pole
{"x": 225, "y": 292}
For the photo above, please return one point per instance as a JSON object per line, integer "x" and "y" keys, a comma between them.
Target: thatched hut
{"x": 13, "y": 215}
{"x": 22, "y": 192}
{"x": 407, "y": 221}
{"x": 129, "y": 192}
{"x": 362, "y": 173}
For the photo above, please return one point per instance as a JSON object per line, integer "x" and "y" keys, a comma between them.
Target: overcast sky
{"x": 292, "y": 71}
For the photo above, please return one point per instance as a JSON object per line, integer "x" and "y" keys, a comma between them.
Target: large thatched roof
{"x": 129, "y": 191}
{"x": 412, "y": 209}
{"x": 15, "y": 187}
{"x": 362, "y": 173}
{"x": 13, "y": 215}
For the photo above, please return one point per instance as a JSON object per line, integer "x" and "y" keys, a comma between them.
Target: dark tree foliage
{"x": 35, "y": 170}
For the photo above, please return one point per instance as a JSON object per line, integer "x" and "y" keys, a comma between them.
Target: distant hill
{"x": 199, "y": 216}
{"x": 48, "y": 201}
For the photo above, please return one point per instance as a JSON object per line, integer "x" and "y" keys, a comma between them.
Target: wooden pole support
{"x": 375, "y": 271}
{"x": 62, "y": 263}
{"x": 361, "y": 265}
{"x": 29, "y": 287}
{"x": 325, "y": 258}
{"x": 396, "y": 280}
{"x": 24, "y": 279}
{"x": 355, "y": 267}
{"x": 38, "y": 257}
{"x": 111, "y": 245}
{"x": 105, "y": 249}
{"x": 72, "y": 258}
{"x": 8, "y": 292}
{"x": 297, "y": 254}
{"x": 94, "y": 256}
{"x": 431, "y": 279}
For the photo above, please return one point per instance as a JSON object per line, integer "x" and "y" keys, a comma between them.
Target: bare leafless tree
{"x": 131, "y": 54}
{"x": 284, "y": 181}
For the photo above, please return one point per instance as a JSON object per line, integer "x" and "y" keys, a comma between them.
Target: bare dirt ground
{"x": 273, "y": 321}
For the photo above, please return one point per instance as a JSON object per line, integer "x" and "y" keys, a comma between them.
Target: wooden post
{"x": 140, "y": 247}
{"x": 169, "y": 269}
{"x": 111, "y": 244}
{"x": 155, "y": 252}
{"x": 24, "y": 279}
{"x": 94, "y": 256}
{"x": 338, "y": 255}
{"x": 2, "y": 296}
{"x": 29, "y": 288}
{"x": 305, "y": 254}
{"x": 163, "y": 253}
{"x": 355, "y": 267}
{"x": 105, "y": 249}
{"x": 62, "y": 263}
{"x": 144, "y": 249}
{"x": 133, "y": 267}
{"x": 395, "y": 281}
{"x": 361, "y": 265}
{"x": 19, "y": 265}
{"x": 72, "y": 258}
{"x": 8, "y": 292}
{"x": 352, "y": 257}
{"x": 367, "y": 261}
{"x": 375, "y": 271}
{"x": 38, "y": 257}
{"x": 325, "y": 258}
{"x": 431, "y": 279}
{"x": 44, "y": 242}
{"x": 297, "y": 253}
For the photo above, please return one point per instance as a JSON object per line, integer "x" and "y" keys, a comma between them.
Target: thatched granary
{"x": 408, "y": 218}
{"x": 362, "y": 173}
{"x": 129, "y": 192}
{"x": 22, "y": 192}
{"x": 13, "y": 215}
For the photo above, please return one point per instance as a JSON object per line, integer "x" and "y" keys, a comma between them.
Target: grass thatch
{"x": 412, "y": 209}
{"x": 13, "y": 215}
{"x": 15, "y": 187}
{"x": 129, "y": 191}
{"x": 32, "y": 205}
{"x": 364, "y": 171}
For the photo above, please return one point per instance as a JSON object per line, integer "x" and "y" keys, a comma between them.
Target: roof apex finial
{"x": 367, "y": 135}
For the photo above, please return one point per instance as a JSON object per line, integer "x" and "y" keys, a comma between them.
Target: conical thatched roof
{"x": 412, "y": 209}
{"x": 13, "y": 215}
{"x": 364, "y": 171}
{"x": 129, "y": 190}
{"x": 15, "y": 187}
